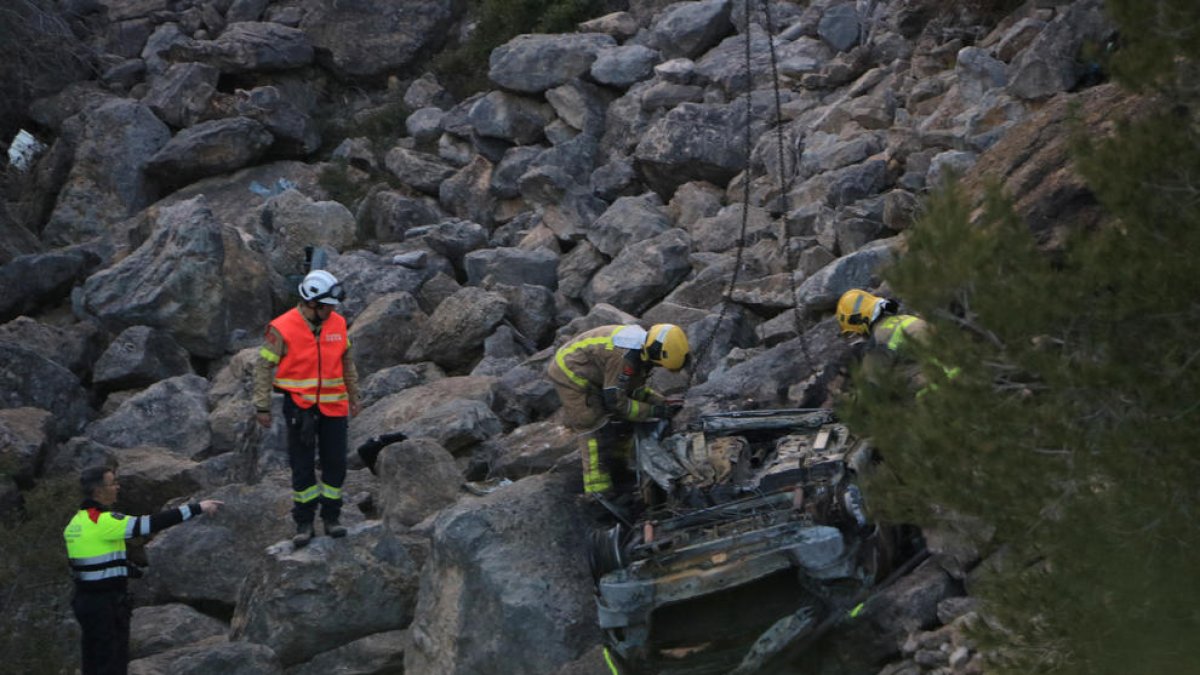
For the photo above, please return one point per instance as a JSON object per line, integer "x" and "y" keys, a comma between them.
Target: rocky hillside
{"x": 629, "y": 171}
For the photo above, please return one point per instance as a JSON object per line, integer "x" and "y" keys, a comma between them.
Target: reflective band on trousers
{"x": 609, "y": 660}
{"x": 307, "y": 494}
{"x": 561, "y": 355}
{"x": 330, "y": 492}
{"x": 595, "y": 477}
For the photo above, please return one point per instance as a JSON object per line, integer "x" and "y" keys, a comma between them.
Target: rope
{"x": 726, "y": 298}
{"x": 784, "y": 185}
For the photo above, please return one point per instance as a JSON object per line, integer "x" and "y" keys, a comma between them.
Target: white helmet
{"x": 321, "y": 286}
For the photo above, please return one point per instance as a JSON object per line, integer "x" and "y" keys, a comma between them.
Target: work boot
{"x": 304, "y": 534}
{"x": 335, "y": 529}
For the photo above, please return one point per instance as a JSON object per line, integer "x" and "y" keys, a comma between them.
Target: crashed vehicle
{"x": 753, "y": 543}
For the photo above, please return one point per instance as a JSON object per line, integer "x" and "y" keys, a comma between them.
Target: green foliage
{"x": 35, "y": 584}
{"x": 463, "y": 70}
{"x": 1072, "y": 427}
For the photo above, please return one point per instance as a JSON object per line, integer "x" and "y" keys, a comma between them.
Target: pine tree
{"x": 1074, "y": 426}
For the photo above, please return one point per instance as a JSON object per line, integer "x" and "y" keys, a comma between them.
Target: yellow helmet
{"x": 856, "y": 309}
{"x": 667, "y": 346}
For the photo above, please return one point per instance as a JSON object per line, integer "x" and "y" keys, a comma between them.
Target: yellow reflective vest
{"x": 95, "y": 540}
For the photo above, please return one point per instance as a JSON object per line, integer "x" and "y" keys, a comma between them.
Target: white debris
{"x": 23, "y": 150}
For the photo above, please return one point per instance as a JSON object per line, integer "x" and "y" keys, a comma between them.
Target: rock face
{"x": 361, "y": 585}
{"x": 602, "y": 176}
{"x": 504, "y": 584}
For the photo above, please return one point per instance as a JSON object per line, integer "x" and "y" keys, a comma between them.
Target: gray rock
{"x": 418, "y": 170}
{"x": 644, "y": 274}
{"x": 692, "y": 142}
{"x": 75, "y": 346}
{"x": 620, "y": 67}
{"x": 212, "y": 656}
{"x": 454, "y": 335}
{"x": 512, "y": 166}
{"x": 530, "y": 449}
{"x": 827, "y": 152}
{"x": 294, "y": 131}
{"x": 689, "y": 29}
{"x": 297, "y": 221}
{"x": 210, "y": 148}
{"x": 396, "y": 410}
{"x": 25, "y": 436}
{"x": 388, "y": 215}
{"x": 307, "y": 601}
{"x": 427, "y": 92}
{"x": 1047, "y": 66}
{"x": 457, "y": 426}
{"x": 523, "y": 394}
{"x": 357, "y": 42}
{"x": 39, "y": 280}
{"x": 157, "y": 629}
{"x": 383, "y": 332}
{"x": 512, "y": 267}
{"x": 860, "y": 269}
{"x": 840, "y": 26}
{"x": 246, "y": 47}
{"x": 467, "y": 194}
{"x": 722, "y": 231}
{"x": 374, "y": 654}
{"x": 581, "y": 105}
{"x": 949, "y": 163}
{"x": 620, "y": 25}
{"x": 181, "y": 96}
{"x": 417, "y": 478}
{"x": 245, "y": 10}
{"x": 425, "y": 125}
{"x": 532, "y": 311}
{"x": 139, "y": 357}
{"x": 106, "y": 183}
{"x": 978, "y": 71}
{"x": 630, "y": 220}
{"x": 158, "y": 45}
{"x": 452, "y": 238}
{"x": 172, "y": 413}
{"x": 531, "y": 64}
{"x": 615, "y": 179}
{"x": 575, "y": 269}
{"x": 395, "y": 379}
{"x": 518, "y": 119}
{"x": 667, "y": 95}
{"x": 188, "y": 255}
{"x": 504, "y": 583}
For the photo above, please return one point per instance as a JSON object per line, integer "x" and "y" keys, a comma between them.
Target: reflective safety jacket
{"x": 892, "y": 331}
{"x": 311, "y": 367}
{"x": 608, "y": 361}
{"x": 96, "y": 537}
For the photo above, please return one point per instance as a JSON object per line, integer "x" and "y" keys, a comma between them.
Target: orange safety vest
{"x": 311, "y": 368}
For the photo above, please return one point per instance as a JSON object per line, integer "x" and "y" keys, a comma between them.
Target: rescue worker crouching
{"x": 600, "y": 376}
{"x": 306, "y": 354}
{"x": 95, "y": 540}
{"x": 864, "y": 315}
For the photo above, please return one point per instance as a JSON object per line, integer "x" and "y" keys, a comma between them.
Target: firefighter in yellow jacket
{"x": 306, "y": 354}
{"x": 860, "y": 313}
{"x": 601, "y": 375}
{"x": 95, "y": 540}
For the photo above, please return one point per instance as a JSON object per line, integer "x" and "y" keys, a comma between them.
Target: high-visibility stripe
{"x": 306, "y": 495}
{"x": 896, "y": 324}
{"x": 330, "y": 492}
{"x": 136, "y": 523}
{"x": 268, "y": 355}
{"x": 596, "y": 479}
{"x": 634, "y": 407}
{"x": 109, "y": 573}
{"x": 572, "y": 347}
{"x": 612, "y": 667}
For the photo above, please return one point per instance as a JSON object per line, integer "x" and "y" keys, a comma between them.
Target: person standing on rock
{"x": 601, "y": 375}
{"x": 95, "y": 540}
{"x": 306, "y": 354}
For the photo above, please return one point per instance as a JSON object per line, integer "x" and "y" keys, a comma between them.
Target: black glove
{"x": 662, "y": 412}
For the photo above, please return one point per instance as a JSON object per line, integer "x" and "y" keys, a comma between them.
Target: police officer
{"x": 95, "y": 540}
{"x": 307, "y": 350}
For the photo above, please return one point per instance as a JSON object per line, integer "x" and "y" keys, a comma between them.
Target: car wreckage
{"x": 752, "y": 544}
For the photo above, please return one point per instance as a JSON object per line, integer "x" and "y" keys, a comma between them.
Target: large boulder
{"x": 365, "y": 40}
{"x": 181, "y": 96}
{"x": 505, "y": 583}
{"x": 517, "y": 119}
{"x": 454, "y": 335}
{"x": 692, "y": 142}
{"x": 163, "y": 627}
{"x": 184, "y": 258}
{"x": 629, "y": 221}
{"x": 208, "y": 149}
{"x": 531, "y": 64}
{"x": 29, "y": 380}
{"x": 298, "y": 221}
{"x": 384, "y": 331}
{"x": 417, "y": 478}
{"x": 512, "y": 267}
{"x": 213, "y": 655}
{"x": 249, "y": 47}
{"x": 688, "y": 29}
{"x": 75, "y": 346}
{"x": 172, "y": 414}
{"x": 139, "y": 357}
{"x": 106, "y": 183}
{"x": 24, "y": 439}
{"x": 641, "y": 275}
{"x": 302, "y": 602}
{"x": 402, "y": 408}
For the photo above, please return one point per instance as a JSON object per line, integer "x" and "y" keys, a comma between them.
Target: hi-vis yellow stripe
{"x": 268, "y": 355}
{"x": 561, "y": 355}
{"x": 306, "y": 384}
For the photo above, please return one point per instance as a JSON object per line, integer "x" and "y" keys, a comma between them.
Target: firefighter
{"x": 95, "y": 540}
{"x": 306, "y": 354}
{"x": 862, "y": 314}
{"x": 600, "y": 376}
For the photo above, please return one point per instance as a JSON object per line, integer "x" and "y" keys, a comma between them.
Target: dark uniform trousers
{"x": 104, "y": 619}
{"x": 312, "y": 436}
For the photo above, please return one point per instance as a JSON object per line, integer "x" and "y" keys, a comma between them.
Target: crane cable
{"x": 727, "y": 296}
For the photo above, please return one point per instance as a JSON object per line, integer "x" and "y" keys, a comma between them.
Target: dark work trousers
{"x": 312, "y": 436}
{"x": 104, "y": 619}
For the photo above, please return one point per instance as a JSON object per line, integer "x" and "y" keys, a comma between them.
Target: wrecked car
{"x": 753, "y": 542}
